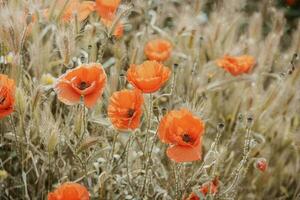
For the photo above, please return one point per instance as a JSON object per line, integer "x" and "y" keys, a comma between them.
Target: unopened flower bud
{"x": 261, "y": 164}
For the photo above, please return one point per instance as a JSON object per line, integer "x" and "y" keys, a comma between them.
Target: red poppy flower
{"x": 208, "y": 187}
{"x": 237, "y": 65}
{"x": 119, "y": 30}
{"x": 149, "y": 76}
{"x": 125, "y": 109}
{"x": 158, "y": 49}
{"x": 107, "y": 8}
{"x": 7, "y": 95}
{"x": 183, "y": 132}
{"x": 193, "y": 196}
{"x": 69, "y": 191}
{"x": 86, "y": 82}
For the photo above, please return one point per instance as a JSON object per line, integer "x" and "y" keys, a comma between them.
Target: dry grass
{"x": 45, "y": 143}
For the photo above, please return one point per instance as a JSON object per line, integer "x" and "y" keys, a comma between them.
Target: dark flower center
{"x": 2, "y": 99}
{"x": 186, "y": 138}
{"x": 130, "y": 112}
{"x": 83, "y": 85}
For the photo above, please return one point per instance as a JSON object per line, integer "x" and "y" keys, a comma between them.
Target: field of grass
{"x": 226, "y": 84}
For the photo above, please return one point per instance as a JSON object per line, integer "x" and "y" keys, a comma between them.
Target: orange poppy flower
{"x": 208, "y": 187}
{"x": 7, "y": 95}
{"x": 69, "y": 191}
{"x": 86, "y": 82}
{"x": 125, "y": 109}
{"x": 237, "y": 65}
{"x": 107, "y": 8}
{"x": 82, "y": 9}
{"x": 193, "y": 196}
{"x": 119, "y": 30}
{"x": 183, "y": 132}
{"x": 158, "y": 49}
{"x": 149, "y": 77}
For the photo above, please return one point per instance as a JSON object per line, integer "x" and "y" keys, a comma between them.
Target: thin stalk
{"x": 146, "y": 141}
{"x": 148, "y": 161}
{"x": 122, "y": 155}
{"x": 176, "y": 180}
{"x": 213, "y": 86}
{"x": 246, "y": 152}
{"x": 127, "y": 166}
{"x": 148, "y": 124}
{"x": 213, "y": 146}
{"x": 14, "y": 131}
{"x": 50, "y": 172}
{"x": 84, "y": 123}
{"x": 113, "y": 149}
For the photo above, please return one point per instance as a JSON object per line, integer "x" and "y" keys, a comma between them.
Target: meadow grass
{"x": 44, "y": 142}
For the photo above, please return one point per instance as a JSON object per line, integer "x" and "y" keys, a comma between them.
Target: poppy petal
{"x": 91, "y": 99}
{"x": 180, "y": 153}
{"x": 6, "y": 112}
{"x": 52, "y": 196}
{"x": 120, "y": 104}
{"x": 66, "y": 93}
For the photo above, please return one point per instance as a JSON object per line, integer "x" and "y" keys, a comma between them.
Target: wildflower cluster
{"x": 110, "y": 99}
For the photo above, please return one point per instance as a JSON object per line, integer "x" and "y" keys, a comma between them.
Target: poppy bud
{"x": 156, "y": 111}
{"x": 261, "y": 164}
{"x": 221, "y": 127}
{"x": 29, "y": 19}
{"x": 250, "y": 120}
